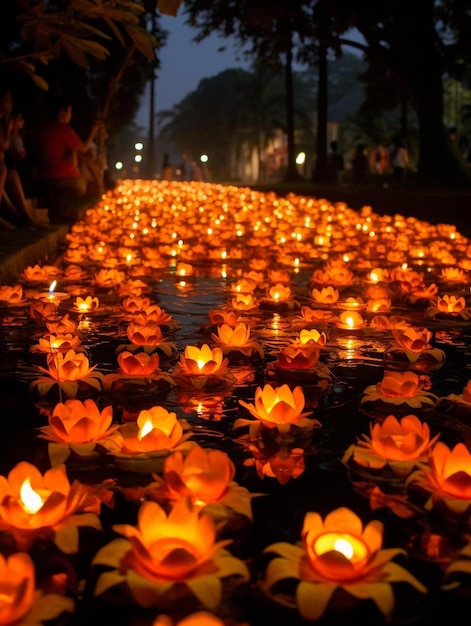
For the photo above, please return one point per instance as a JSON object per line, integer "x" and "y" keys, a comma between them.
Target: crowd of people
{"x": 49, "y": 160}
{"x": 369, "y": 162}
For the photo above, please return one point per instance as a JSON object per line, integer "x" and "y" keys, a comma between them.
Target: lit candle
{"x": 350, "y": 320}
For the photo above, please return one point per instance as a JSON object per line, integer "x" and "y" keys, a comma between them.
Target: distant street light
{"x": 118, "y": 165}
{"x": 204, "y": 158}
{"x": 138, "y": 158}
{"x": 301, "y": 158}
{"x": 138, "y": 145}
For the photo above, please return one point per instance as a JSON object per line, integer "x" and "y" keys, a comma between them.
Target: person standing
{"x": 58, "y": 147}
{"x": 400, "y": 159}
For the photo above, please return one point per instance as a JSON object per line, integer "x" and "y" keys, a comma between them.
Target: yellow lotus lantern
{"x": 81, "y": 428}
{"x": 278, "y": 296}
{"x": 445, "y": 478}
{"x": 400, "y": 387}
{"x": 396, "y": 444}
{"x": 277, "y": 408}
{"x": 70, "y": 371}
{"x": 164, "y": 551}
{"x": 337, "y": 554}
{"x": 21, "y": 601}
{"x": 46, "y": 507}
{"x": 237, "y": 339}
{"x": 202, "y": 366}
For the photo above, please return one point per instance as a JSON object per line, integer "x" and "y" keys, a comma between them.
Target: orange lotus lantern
{"x": 449, "y": 306}
{"x": 277, "y": 408}
{"x": 42, "y": 310}
{"x": 237, "y": 339}
{"x": 79, "y": 427}
{"x": 244, "y": 302}
{"x": 279, "y": 293}
{"x": 326, "y": 295}
{"x": 244, "y": 285}
{"x": 50, "y": 344}
{"x": 378, "y": 305}
{"x": 70, "y": 371}
{"x": 11, "y": 294}
{"x": 154, "y": 314}
{"x": 155, "y": 430}
{"x": 89, "y": 304}
{"x": 337, "y": 553}
{"x": 21, "y": 602}
{"x": 400, "y": 387}
{"x": 350, "y": 320}
{"x": 109, "y": 278}
{"x": 188, "y": 555}
{"x": 445, "y": 478}
{"x": 205, "y": 476}
{"x": 134, "y": 304}
{"x": 396, "y": 444}
{"x": 200, "y": 618}
{"x": 35, "y": 506}
{"x": 415, "y": 344}
{"x": 219, "y": 317}
{"x": 61, "y": 326}
{"x": 316, "y": 315}
{"x": 149, "y": 337}
{"x": 284, "y": 464}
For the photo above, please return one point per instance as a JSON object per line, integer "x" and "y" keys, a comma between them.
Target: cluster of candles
{"x": 239, "y": 318}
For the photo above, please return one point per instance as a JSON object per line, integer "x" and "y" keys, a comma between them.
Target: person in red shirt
{"x": 58, "y": 149}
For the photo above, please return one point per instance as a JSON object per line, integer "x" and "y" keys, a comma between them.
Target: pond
{"x": 205, "y": 364}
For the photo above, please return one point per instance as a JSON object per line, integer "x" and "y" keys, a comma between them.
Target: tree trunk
{"x": 438, "y": 163}
{"x": 291, "y": 174}
{"x": 320, "y": 173}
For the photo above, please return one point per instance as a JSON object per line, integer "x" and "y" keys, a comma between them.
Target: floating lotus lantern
{"x": 279, "y": 409}
{"x": 326, "y": 295}
{"x": 383, "y": 322}
{"x": 378, "y": 305}
{"x": 139, "y": 374}
{"x": 42, "y": 310}
{"x": 71, "y": 372}
{"x": 149, "y": 440}
{"x": 109, "y": 278}
{"x": 81, "y": 429}
{"x": 40, "y": 274}
{"x": 50, "y": 344}
{"x": 278, "y": 296}
{"x": 89, "y": 304}
{"x": 420, "y": 293}
{"x": 148, "y": 337}
{"x": 11, "y": 295}
{"x": 443, "y": 483}
{"x": 61, "y": 326}
{"x": 201, "y": 367}
{"x": 350, "y": 320}
{"x": 154, "y": 314}
{"x": 188, "y": 557}
{"x": 219, "y": 317}
{"x": 339, "y": 558}
{"x": 396, "y": 445}
{"x": 200, "y": 618}
{"x": 22, "y": 602}
{"x": 205, "y": 476}
{"x": 131, "y": 287}
{"x": 351, "y": 304}
{"x": 74, "y": 273}
{"x": 244, "y": 285}
{"x": 453, "y": 275}
{"x": 449, "y": 306}
{"x": 404, "y": 390}
{"x": 237, "y": 341}
{"x": 316, "y": 315}
{"x": 135, "y": 304}
{"x": 244, "y": 302}
{"x": 46, "y": 507}
{"x": 282, "y": 463}
{"x": 415, "y": 345}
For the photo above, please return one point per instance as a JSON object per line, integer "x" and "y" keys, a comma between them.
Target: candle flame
{"x": 52, "y": 286}
{"x": 201, "y": 363}
{"x": 31, "y": 501}
{"x": 146, "y": 428}
{"x": 344, "y": 547}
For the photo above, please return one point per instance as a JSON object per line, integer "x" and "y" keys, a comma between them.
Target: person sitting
{"x": 13, "y": 203}
{"x": 58, "y": 146}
